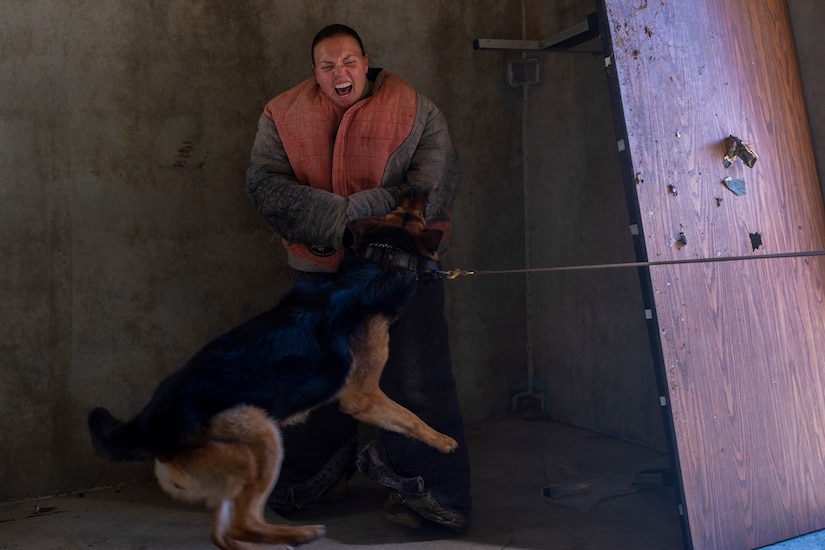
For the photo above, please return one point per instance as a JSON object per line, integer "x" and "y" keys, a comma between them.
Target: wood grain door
{"x": 740, "y": 345}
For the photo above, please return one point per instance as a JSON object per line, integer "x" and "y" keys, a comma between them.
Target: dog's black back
{"x": 288, "y": 360}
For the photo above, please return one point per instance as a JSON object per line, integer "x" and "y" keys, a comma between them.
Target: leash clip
{"x": 454, "y": 273}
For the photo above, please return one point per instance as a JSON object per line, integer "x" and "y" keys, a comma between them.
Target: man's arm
{"x": 428, "y": 160}
{"x": 299, "y": 213}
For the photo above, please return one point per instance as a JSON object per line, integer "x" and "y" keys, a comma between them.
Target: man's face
{"x": 341, "y": 69}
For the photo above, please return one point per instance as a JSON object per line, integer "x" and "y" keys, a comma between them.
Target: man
{"x": 340, "y": 146}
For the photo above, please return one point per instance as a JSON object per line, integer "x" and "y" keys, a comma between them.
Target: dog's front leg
{"x": 362, "y": 398}
{"x": 378, "y": 409}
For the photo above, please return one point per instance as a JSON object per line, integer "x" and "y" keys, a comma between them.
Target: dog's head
{"x": 403, "y": 229}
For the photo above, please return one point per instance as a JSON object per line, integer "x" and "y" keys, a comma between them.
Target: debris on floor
{"x": 585, "y": 493}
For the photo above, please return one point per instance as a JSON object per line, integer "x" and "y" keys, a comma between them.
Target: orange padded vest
{"x": 341, "y": 151}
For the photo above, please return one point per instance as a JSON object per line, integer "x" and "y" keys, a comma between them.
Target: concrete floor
{"x": 513, "y": 460}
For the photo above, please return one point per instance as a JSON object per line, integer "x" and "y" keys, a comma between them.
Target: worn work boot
{"x": 396, "y": 512}
{"x": 409, "y": 510}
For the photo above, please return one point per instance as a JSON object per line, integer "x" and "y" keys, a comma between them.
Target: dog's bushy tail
{"x": 116, "y": 440}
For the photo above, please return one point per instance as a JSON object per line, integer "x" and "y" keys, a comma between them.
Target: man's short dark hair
{"x": 331, "y": 31}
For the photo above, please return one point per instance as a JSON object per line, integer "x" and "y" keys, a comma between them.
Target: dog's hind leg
{"x": 362, "y": 398}
{"x": 233, "y": 469}
{"x": 262, "y": 446}
{"x": 223, "y": 522}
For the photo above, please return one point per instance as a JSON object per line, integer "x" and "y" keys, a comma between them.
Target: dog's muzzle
{"x": 423, "y": 268}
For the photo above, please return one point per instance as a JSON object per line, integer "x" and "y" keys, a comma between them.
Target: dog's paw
{"x": 308, "y": 533}
{"x": 445, "y": 443}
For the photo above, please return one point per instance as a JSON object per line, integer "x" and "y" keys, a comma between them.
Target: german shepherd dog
{"x": 212, "y": 427}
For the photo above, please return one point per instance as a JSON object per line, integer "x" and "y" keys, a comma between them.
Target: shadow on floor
{"x": 513, "y": 461}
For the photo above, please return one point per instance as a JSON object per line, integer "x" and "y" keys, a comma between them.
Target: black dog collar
{"x": 386, "y": 254}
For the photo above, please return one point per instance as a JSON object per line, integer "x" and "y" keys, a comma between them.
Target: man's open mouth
{"x": 343, "y": 89}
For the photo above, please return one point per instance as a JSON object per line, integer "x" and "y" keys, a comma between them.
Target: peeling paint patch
{"x": 736, "y": 185}
{"x": 756, "y": 240}
{"x": 736, "y": 148}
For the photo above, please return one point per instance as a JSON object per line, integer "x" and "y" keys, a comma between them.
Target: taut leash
{"x": 455, "y": 273}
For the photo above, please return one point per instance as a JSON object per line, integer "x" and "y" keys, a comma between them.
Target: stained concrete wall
{"x": 127, "y": 239}
{"x": 126, "y": 236}
{"x": 593, "y": 360}
{"x": 806, "y": 19}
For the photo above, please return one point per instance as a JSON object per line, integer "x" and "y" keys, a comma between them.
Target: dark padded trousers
{"x": 418, "y": 375}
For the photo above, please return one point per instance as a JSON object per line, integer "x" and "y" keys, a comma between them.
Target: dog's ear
{"x": 428, "y": 241}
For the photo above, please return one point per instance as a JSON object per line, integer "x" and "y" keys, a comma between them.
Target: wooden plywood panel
{"x": 742, "y": 343}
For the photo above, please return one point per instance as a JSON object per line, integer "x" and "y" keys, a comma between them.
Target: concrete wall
{"x": 806, "y": 18}
{"x": 592, "y": 354}
{"x": 126, "y": 236}
{"x": 127, "y": 239}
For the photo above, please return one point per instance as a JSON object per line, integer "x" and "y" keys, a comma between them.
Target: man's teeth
{"x": 344, "y": 89}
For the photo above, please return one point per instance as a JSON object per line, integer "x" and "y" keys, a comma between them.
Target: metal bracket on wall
{"x": 524, "y": 72}
{"x": 581, "y": 38}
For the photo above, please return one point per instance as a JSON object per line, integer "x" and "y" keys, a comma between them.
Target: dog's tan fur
{"x": 363, "y": 399}
{"x": 233, "y": 463}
